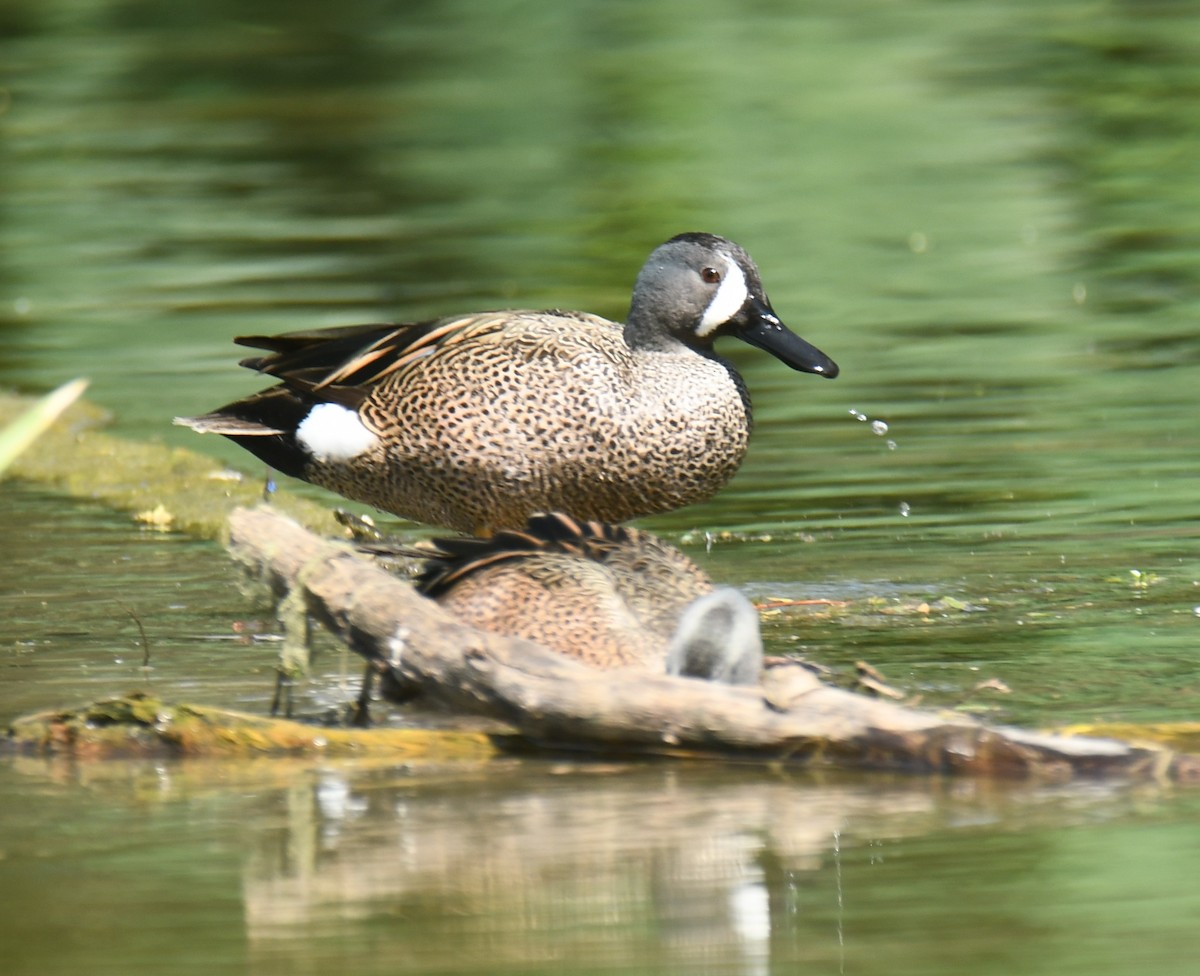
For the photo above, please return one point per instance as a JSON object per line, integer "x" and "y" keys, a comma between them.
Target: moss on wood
{"x": 139, "y": 724}
{"x": 168, "y": 487}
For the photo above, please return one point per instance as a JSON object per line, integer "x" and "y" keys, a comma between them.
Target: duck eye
{"x": 710, "y": 275}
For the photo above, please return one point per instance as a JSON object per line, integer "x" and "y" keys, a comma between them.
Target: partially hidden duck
{"x": 606, "y": 595}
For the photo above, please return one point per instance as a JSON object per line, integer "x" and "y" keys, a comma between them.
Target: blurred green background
{"x": 987, "y": 213}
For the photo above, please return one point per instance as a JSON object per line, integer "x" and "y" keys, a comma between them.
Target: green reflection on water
{"x": 986, "y": 213}
{"x": 953, "y": 201}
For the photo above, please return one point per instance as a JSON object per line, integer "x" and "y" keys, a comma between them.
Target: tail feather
{"x": 449, "y": 560}
{"x": 220, "y": 423}
{"x": 264, "y": 424}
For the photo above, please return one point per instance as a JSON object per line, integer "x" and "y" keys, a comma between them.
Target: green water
{"x": 986, "y": 213}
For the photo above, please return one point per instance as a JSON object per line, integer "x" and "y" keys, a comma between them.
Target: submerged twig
{"x": 141, "y": 631}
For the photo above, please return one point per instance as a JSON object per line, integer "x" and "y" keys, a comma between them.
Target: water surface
{"x": 986, "y": 214}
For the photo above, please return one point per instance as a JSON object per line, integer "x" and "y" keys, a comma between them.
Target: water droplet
{"x": 857, "y": 414}
{"x": 22, "y": 306}
{"x": 891, "y": 444}
{"x": 1079, "y": 293}
{"x": 904, "y": 509}
{"x": 918, "y": 243}
{"x": 880, "y": 427}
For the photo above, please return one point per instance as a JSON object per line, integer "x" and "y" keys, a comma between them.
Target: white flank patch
{"x": 331, "y": 432}
{"x": 729, "y": 298}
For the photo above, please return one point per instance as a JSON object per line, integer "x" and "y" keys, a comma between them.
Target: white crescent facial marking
{"x": 332, "y": 432}
{"x": 730, "y": 296}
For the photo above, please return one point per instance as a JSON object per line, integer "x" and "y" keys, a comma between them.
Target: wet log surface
{"x": 558, "y": 704}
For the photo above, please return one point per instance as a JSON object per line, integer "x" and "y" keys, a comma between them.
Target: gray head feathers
{"x": 718, "y": 639}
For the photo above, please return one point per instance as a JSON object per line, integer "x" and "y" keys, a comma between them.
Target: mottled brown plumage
{"x": 477, "y": 422}
{"x": 608, "y": 596}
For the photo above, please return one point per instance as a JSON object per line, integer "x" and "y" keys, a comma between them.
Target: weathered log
{"x": 555, "y": 702}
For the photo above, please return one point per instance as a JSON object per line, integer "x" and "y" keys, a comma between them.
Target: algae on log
{"x": 138, "y": 724}
{"x": 561, "y": 704}
{"x": 188, "y": 491}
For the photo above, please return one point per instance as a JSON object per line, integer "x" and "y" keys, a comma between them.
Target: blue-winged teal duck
{"x": 476, "y": 422}
{"x": 609, "y": 596}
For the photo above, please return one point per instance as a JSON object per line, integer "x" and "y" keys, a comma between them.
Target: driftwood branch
{"x": 558, "y": 703}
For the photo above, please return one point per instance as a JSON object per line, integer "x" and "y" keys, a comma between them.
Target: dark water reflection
{"x": 986, "y": 214}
